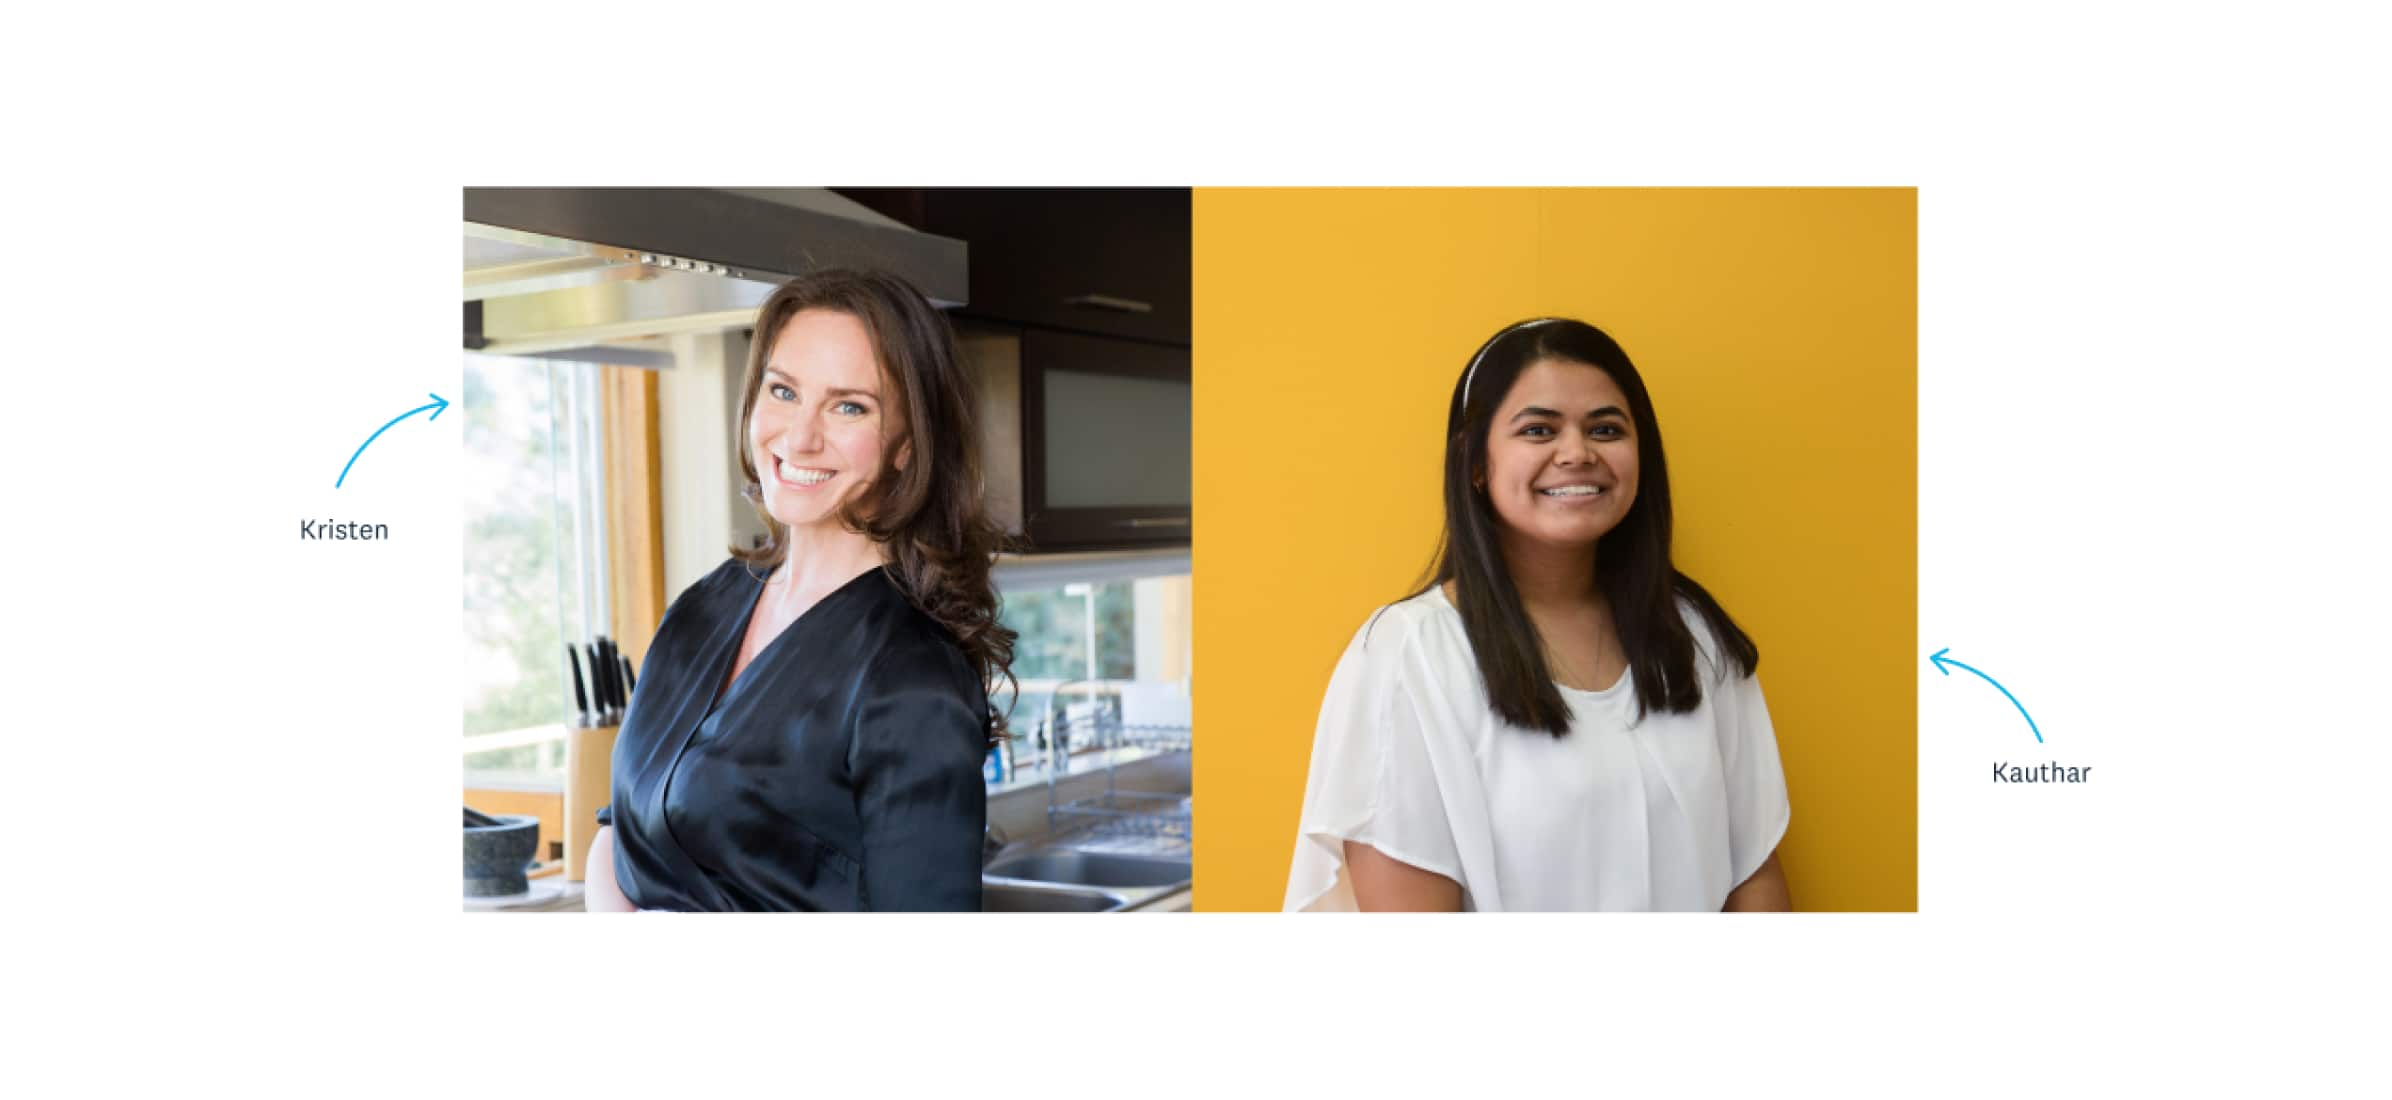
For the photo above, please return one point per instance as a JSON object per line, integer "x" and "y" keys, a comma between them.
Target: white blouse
{"x": 1667, "y": 813}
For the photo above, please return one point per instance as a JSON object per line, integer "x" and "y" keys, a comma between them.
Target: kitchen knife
{"x": 581, "y": 700}
{"x": 597, "y": 685}
{"x": 614, "y": 682}
{"x": 614, "y": 687}
{"x": 622, "y": 684}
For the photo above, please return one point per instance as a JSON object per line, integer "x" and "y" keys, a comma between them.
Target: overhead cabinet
{"x": 1078, "y": 327}
{"x": 1106, "y": 442}
{"x": 1110, "y": 262}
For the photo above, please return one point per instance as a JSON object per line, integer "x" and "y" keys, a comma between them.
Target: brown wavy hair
{"x": 931, "y": 515}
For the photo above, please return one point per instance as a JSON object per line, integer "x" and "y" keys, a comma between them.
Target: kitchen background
{"x": 606, "y": 336}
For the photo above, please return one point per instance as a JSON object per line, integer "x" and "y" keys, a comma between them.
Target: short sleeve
{"x": 1373, "y": 779}
{"x": 1756, "y": 783}
{"x": 918, "y": 741}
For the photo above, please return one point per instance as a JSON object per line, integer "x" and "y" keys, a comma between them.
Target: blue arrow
{"x": 1939, "y": 661}
{"x": 439, "y": 405}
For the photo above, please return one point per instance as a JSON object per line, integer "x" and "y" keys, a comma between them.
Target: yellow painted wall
{"x": 1777, "y": 332}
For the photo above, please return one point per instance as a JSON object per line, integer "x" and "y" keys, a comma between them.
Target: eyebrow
{"x": 1539, "y": 410}
{"x": 834, "y": 391}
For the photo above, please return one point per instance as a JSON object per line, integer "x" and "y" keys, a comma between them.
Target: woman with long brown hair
{"x": 809, "y": 729}
{"x": 1559, "y": 718}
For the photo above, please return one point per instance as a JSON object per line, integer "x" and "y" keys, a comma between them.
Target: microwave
{"x": 1085, "y": 439}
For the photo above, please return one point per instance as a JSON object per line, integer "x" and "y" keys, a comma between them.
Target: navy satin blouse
{"x": 841, "y": 771}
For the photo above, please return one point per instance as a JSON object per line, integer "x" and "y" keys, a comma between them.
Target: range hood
{"x": 609, "y": 271}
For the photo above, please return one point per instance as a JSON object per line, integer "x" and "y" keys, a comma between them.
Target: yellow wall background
{"x": 1777, "y": 332}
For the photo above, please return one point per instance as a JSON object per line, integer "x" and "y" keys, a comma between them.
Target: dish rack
{"x": 1087, "y": 714}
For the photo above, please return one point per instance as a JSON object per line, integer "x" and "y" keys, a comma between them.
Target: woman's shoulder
{"x": 721, "y": 578}
{"x": 906, "y": 660}
{"x": 1421, "y": 626}
{"x": 1427, "y": 609}
{"x": 908, "y": 642}
{"x": 1707, "y": 648}
{"x": 709, "y": 595}
{"x": 1411, "y": 654}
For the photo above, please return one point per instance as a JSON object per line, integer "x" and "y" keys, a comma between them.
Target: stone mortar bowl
{"x": 496, "y": 856}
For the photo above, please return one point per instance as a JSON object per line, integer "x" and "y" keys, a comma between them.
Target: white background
{"x": 2152, "y": 373}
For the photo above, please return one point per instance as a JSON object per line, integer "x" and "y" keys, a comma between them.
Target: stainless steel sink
{"x": 1100, "y": 869}
{"x": 1016, "y": 898}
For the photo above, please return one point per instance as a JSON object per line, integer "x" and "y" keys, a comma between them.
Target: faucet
{"x": 992, "y": 841}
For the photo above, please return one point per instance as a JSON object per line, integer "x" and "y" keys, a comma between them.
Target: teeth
{"x": 802, "y": 477}
{"x": 1573, "y": 491}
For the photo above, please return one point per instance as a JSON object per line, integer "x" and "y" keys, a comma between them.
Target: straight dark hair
{"x": 1632, "y": 564}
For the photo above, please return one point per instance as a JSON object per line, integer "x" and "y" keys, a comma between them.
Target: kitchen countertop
{"x": 548, "y": 895}
{"x": 1032, "y": 773}
{"x": 1018, "y": 813}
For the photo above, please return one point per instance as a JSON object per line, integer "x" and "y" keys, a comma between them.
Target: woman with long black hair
{"x": 1558, "y": 719}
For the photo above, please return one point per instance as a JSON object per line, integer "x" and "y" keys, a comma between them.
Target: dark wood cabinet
{"x": 1106, "y": 457}
{"x": 1111, "y": 262}
{"x": 1080, "y": 319}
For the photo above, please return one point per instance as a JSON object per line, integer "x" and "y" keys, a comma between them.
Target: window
{"x": 535, "y": 559}
{"x": 1129, "y": 629}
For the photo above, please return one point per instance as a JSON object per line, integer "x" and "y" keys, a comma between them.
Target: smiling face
{"x": 1561, "y": 454}
{"x": 823, "y": 422}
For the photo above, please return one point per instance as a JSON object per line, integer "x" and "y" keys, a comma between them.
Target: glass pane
{"x": 1115, "y": 442}
{"x": 532, "y": 577}
{"x": 1078, "y": 632}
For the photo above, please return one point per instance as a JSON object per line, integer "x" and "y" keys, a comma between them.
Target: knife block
{"x": 589, "y": 783}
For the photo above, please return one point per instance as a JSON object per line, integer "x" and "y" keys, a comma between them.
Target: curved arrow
{"x": 1939, "y": 661}
{"x": 439, "y": 405}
